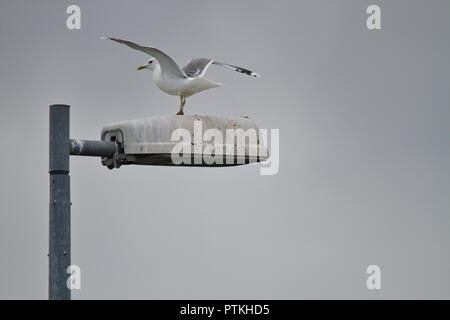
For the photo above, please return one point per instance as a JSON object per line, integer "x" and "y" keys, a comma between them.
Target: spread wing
{"x": 197, "y": 67}
{"x": 168, "y": 66}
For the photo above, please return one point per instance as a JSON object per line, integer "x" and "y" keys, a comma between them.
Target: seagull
{"x": 172, "y": 80}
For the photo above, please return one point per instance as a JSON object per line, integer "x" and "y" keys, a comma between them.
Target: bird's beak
{"x": 141, "y": 67}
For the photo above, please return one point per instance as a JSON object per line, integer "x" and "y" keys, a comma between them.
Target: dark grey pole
{"x": 59, "y": 239}
{"x": 92, "y": 148}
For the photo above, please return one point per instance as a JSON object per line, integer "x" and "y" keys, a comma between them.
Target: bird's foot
{"x": 180, "y": 113}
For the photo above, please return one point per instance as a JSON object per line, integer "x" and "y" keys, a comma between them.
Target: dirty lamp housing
{"x": 149, "y": 141}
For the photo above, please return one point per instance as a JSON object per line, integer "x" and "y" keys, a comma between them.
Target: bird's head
{"x": 149, "y": 65}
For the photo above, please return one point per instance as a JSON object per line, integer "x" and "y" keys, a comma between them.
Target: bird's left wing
{"x": 168, "y": 66}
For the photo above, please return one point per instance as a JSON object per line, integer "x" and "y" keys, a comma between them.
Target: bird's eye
{"x": 150, "y": 61}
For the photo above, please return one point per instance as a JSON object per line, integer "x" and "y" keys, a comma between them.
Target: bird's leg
{"x": 182, "y": 103}
{"x": 180, "y": 113}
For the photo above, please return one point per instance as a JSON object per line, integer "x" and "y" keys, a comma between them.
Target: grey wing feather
{"x": 168, "y": 66}
{"x": 197, "y": 67}
{"x": 238, "y": 69}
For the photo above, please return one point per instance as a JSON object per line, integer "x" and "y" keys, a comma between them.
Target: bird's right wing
{"x": 197, "y": 67}
{"x": 168, "y": 66}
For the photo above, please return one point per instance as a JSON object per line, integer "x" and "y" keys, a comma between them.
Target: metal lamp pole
{"x": 61, "y": 147}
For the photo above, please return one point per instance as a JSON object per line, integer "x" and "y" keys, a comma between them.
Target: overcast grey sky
{"x": 364, "y": 158}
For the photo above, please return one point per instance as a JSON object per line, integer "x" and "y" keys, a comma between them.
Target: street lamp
{"x": 142, "y": 141}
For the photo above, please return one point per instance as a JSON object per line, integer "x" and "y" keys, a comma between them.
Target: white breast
{"x": 167, "y": 84}
{"x": 181, "y": 86}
